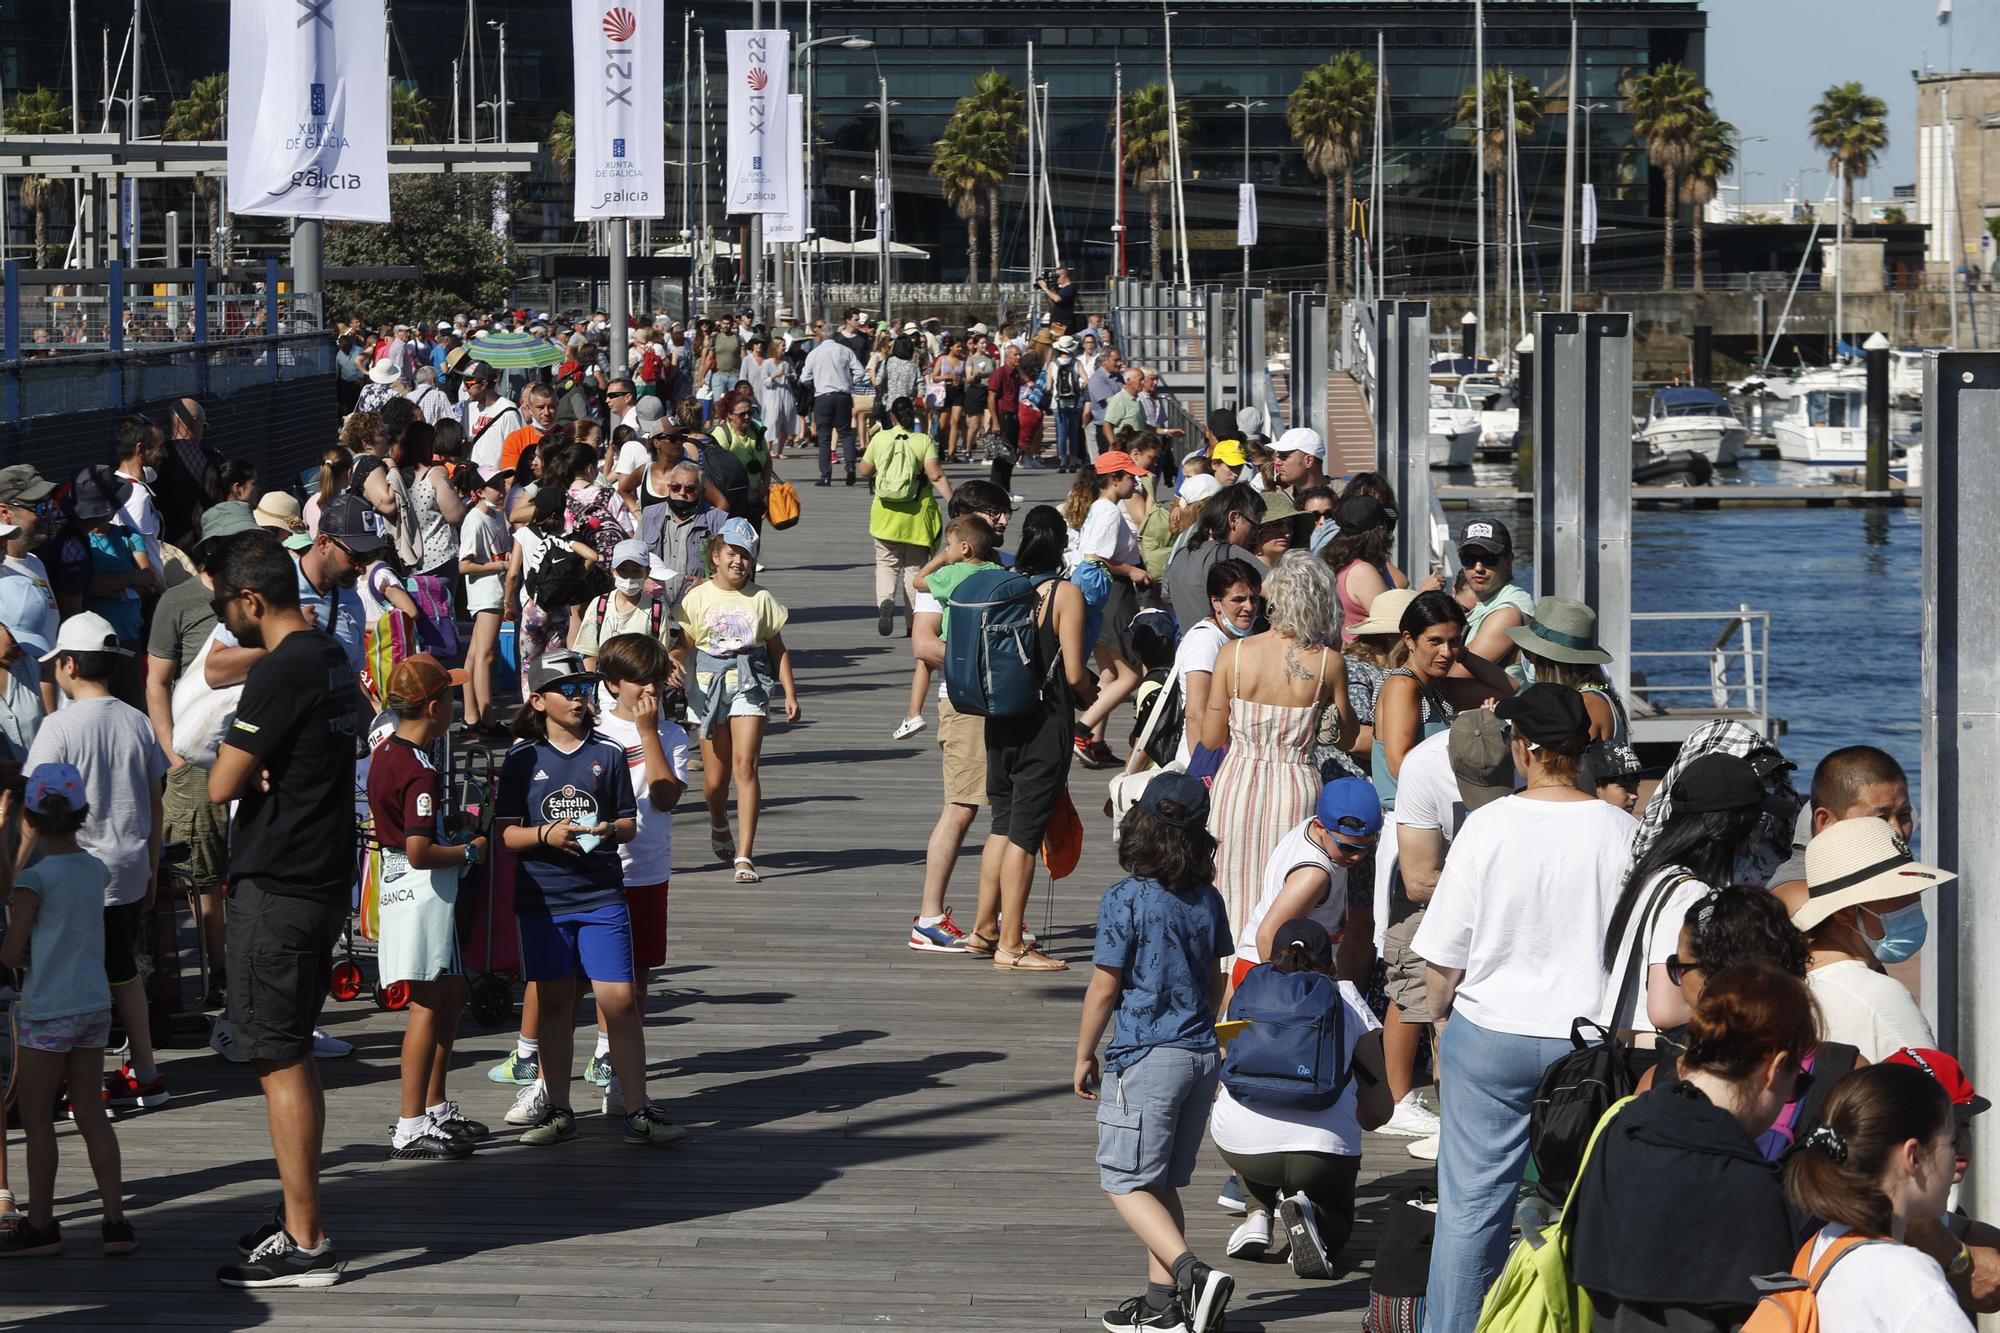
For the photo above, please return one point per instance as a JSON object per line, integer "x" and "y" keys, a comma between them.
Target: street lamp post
{"x": 1740, "y": 140}
{"x": 809, "y": 280}
{"x": 501, "y": 26}
{"x": 885, "y": 204}
{"x": 1247, "y": 107}
{"x": 1587, "y": 108}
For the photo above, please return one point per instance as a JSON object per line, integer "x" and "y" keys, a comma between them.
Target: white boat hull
{"x": 1454, "y": 445}
{"x": 1718, "y": 439}
{"x": 1818, "y": 445}
{"x": 1499, "y": 431}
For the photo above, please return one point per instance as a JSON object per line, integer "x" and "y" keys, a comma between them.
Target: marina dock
{"x": 1700, "y": 497}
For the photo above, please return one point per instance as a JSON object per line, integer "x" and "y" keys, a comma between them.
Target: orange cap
{"x": 420, "y": 678}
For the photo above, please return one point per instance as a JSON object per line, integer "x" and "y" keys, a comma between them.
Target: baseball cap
{"x": 1306, "y": 933}
{"x": 1549, "y": 716}
{"x": 23, "y": 610}
{"x": 1488, "y": 534}
{"x": 1360, "y": 513}
{"x": 59, "y": 780}
{"x": 21, "y": 484}
{"x": 631, "y": 551}
{"x": 1300, "y": 440}
{"x": 87, "y": 632}
{"x": 1608, "y": 761}
{"x": 1965, "y": 1102}
{"x": 739, "y": 533}
{"x": 1480, "y": 760}
{"x": 1349, "y": 809}
{"x": 1190, "y": 794}
{"x": 1117, "y": 460}
{"x": 420, "y": 678}
{"x": 227, "y": 519}
{"x": 650, "y": 413}
{"x": 1229, "y": 452}
{"x": 1198, "y": 487}
{"x": 554, "y": 668}
{"x": 476, "y": 370}
{"x": 98, "y": 491}
{"x": 1717, "y": 781}
{"x": 345, "y": 519}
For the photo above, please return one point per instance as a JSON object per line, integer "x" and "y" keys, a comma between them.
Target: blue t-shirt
{"x": 111, "y": 552}
{"x": 67, "y": 946}
{"x": 539, "y": 784}
{"x": 1167, "y": 945}
{"x": 338, "y": 612}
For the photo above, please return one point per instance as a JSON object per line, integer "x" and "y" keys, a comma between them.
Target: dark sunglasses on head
{"x": 218, "y": 603}
{"x": 1469, "y": 556}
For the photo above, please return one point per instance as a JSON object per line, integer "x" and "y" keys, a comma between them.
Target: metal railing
{"x": 1731, "y": 675}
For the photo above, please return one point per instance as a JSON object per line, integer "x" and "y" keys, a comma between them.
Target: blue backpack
{"x": 991, "y": 666}
{"x": 1293, "y": 1056}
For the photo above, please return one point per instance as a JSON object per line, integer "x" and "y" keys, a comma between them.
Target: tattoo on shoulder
{"x": 1293, "y": 667}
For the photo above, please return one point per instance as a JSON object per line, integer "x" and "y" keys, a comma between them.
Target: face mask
{"x": 630, "y": 587}
{"x": 681, "y": 508}
{"x": 1903, "y": 933}
{"x": 1229, "y": 628}
{"x": 149, "y": 475}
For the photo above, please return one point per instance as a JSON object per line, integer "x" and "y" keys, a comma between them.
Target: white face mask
{"x": 630, "y": 587}
{"x": 150, "y": 475}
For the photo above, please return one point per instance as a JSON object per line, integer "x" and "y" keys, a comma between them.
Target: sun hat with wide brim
{"x": 1856, "y": 862}
{"x": 1385, "y": 613}
{"x": 1562, "y": 631}
{"x": 384, "y": 372}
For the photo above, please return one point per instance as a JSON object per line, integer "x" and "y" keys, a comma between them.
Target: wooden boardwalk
{"x": 881, "y": 1137}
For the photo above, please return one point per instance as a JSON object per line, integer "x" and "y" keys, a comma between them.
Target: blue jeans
{"x": 1069, "y": 435}
{"x": 1486, "y": 1082}
{"x": 833, "y": 412}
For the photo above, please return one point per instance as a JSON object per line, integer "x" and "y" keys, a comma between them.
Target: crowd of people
{"x": 1388, "y": 847}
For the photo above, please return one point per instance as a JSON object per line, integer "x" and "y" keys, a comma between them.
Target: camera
{"x": 1050, "y": 277}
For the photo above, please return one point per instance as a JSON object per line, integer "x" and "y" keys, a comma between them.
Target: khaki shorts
{"x": 962, "y": 738}
{"x": 1405, "y": 979}
{"x": 190, "y": 817}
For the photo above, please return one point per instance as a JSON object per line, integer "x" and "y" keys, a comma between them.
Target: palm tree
{"x": 1503, "y": 89}
{"x": 411, "y": 114}
{"x": 39, "y": 111}
{"x": 203, "y": 114}
{"x": 995, "y": 114}
{"x": 1711, "y": 156}
{"x": 1668, "y": 107}
{"x": 562, "y": 143}
{"x": 1149, "y": 150}
{"x": 953, "y": 163}
{"x": 1331, "y": 113}
{"x": 1852, "y": 128}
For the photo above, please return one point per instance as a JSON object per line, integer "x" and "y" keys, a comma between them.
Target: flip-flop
{"x": 980, "y": 946}
{"x": 1027, "y": 960}
{"x": 746, "y": 871}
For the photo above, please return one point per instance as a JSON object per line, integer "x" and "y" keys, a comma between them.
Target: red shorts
{"x": 648, "y": 906}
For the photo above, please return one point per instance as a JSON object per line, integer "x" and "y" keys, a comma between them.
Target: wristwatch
{"x": 471, "y": 854}
{"x": 1961, "y": 1263}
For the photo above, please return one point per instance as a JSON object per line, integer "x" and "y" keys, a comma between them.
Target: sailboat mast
{"x": 1118, "y": 161}
{"x": 1839, "y": 256}
{"x": 1479, "y": 163}
{"x": 1569, "y": 174}
{"x": 1375, "y": 174}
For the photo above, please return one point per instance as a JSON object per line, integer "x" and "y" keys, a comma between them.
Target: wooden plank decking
{"x": 881, "y": 1137}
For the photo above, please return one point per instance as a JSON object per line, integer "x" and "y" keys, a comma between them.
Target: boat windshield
{"x": 1834, "y": 408}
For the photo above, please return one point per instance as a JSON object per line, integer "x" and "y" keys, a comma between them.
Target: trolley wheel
{"x": 394, "y": 996}
{"x": 492, "y": 1001}
{"x": 346, "y": 980}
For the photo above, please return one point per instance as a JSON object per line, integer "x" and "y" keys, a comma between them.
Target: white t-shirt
{"x": 1200, "y": 646}
{"x": 1245, "y": 1129}
{"x": 1295, "y": 849}
{"x": 1426, "y": 798}
{"x": 140, "y": 515}
{"x": 649, "y": 857}
{"x": 1106, "y": 535}
{"x": 1885, "y": 1289}
{"x": 1868, "y": 1010}
{"x": 484, "y": 537}
{"x": 487, "y": 429}
{"x": 928, "y": 604}
{"x": 632, "y": 455}
{"x": 1521, "y": 907}
{"x": 374, "y": 587}
{"x": 1662, "y": 943}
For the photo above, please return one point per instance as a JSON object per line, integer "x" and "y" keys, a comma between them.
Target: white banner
{"x": 619, "y": 49}
{"x": 1589, "y": 214}
{"x": 1246, "y": 213}
{"x": 757, "y": 140}
{"x": 790, "y": 225}
{"x": 309, "y": 109}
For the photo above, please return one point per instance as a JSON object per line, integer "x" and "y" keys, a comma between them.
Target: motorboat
{"x": 1448, "y": 371}
{"x": 1454, "y": 430}
{"x": 1499, "y": 414}
{"x": 1824, "y": 425}
{"x": 1697, "y": 420}
{"x": 1803, "y": 381}
{"x": 1906, "y": 373}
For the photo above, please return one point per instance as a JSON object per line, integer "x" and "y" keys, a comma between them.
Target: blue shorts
{"x": 1151, "y": 1118}
{"x": 597, "y": 944}
{"x": 1094, "y": 582}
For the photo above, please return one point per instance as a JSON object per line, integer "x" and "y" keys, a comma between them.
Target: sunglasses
{"x": 219, "y": 603}
{"x": 619, "y": 393}
{"x": 1678, "y": 967}
{"x": 1470, "y": 556}
{"x": 583, "y": 687}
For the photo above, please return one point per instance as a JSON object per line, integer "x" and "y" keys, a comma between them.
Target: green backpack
{"x": 900, "y": 474}
{"x": 1535, "y": 1293}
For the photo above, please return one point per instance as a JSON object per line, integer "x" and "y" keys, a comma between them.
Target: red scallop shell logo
{"x": 620, "y": 24}
{"x": 758, "y": 78}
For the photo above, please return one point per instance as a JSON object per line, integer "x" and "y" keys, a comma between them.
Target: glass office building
{"x": 1223, "y": 51}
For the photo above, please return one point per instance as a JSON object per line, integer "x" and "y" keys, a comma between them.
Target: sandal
{"x": 1029, "y": 959}
{"x": 9, "y": 1218}
{"x": 978, "y": 945}
{"x": 746, "y": 871}
{"x": 719, "y": 839}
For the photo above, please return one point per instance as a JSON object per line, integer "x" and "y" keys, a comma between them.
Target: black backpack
{"x": 562, "y": 578}
{"x": 1067, "y": 389}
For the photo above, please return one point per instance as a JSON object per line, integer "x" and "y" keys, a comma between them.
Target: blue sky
{"x": 1769, "y": 60}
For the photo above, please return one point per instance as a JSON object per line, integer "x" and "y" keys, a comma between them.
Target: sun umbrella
{"x": 515, "y": 351}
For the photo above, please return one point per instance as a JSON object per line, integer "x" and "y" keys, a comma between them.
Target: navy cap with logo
{"x": 351, "y": 523}
{"x": 1488, "y": 534}
{"x": 1188, "y": 795}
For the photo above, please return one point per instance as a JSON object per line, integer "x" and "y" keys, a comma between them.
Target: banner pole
{"x": 619, "y": 233}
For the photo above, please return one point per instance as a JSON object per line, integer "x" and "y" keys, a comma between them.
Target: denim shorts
{"x": 596, "y": 944}
{"x": 1152, "y": 1117}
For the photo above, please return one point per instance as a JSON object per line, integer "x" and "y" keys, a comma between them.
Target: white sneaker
{"x": 530, "y": 1105}
{"x": 1301, "y": 1222}
{"x": 1424, "y": 1150}
{"x": 910, "y": 727}
{"x": 222, "y": 1040}
{"x": 1411, "y": 1119}
{"x": 1252, "y": 1238}
{"x": 330, "y": 1048}
{"x": 614, "y": 1098}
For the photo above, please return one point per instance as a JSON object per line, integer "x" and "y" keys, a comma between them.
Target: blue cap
{"x": 1349, "y": 809}
{"x": 739, "y": 533}
{"x": 23, "y": 610}
{"x": 1190, "y": 794}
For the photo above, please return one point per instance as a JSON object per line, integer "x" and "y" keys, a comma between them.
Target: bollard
{"x": 1701, "y": 369}
{"x": 1468, "y": 339}
{"x": 1961, "y": 723}
{"x": 1250, "y": 354}
{"x": 1583, "y": 473}
{"x": 1403, "y": 424}
{"x": 1524, "y": 398}
{"x": 1875, "y": 352}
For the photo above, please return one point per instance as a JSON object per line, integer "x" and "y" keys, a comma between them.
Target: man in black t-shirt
{"x": 853, "y": 336}
{"x": 288, "y": 760}
{"x": 1061, "y": 296}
